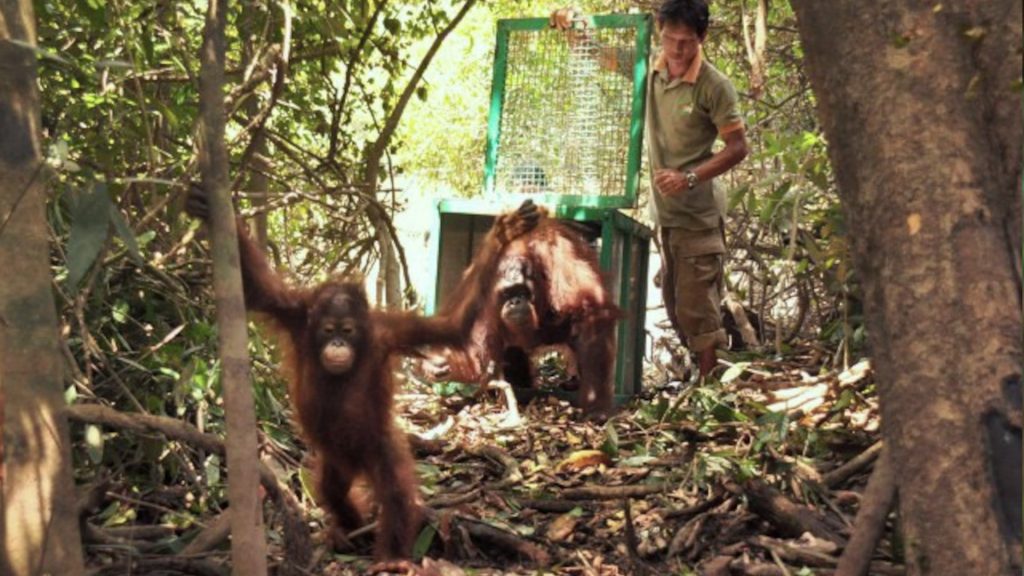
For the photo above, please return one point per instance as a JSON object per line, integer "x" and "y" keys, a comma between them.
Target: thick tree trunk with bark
{"x": 248, "y": 544}
{"x": 921, "y": 107}
{"x": 38, "y": 519}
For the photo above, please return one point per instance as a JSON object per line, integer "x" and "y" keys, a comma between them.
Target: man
{"x": 689, "y": 104}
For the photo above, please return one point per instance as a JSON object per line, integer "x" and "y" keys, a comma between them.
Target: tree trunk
{"x": 249, "y": 26}
{"x": 921, "y": 107}
{"x": 756, "y": 46}
{"x": 248, "y": 545}
{"x": 38, "y": 516}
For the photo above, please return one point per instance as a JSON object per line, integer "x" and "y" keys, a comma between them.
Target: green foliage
{"x": 119, "y": 113}
{"x": 423, "y": 542}
{"x": 610, "y": 446}
{"x": 448, "y": 389}
{"x": 90, "y": 216}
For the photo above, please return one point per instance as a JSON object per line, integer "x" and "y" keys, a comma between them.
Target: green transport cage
{"x": 567, "y": 133}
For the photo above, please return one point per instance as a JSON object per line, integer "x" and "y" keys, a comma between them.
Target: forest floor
{"x": 759, "y": 471}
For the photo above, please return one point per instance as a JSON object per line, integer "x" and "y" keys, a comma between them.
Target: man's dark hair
{"x": 693, "y": 13}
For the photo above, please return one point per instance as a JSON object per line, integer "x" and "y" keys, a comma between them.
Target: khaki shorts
{"x": 692, "y": 287}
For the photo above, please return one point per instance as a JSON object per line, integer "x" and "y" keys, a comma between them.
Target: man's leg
{"x": 698, "y": 281}
{"x": 668, "y": 281}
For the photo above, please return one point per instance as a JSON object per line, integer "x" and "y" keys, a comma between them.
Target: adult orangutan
{"x": 338, "y": 362}
{"x": 549, "y": 291}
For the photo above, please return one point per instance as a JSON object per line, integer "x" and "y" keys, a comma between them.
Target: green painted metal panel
{"x": 434, "y": 248}
{"x": 622, "y": 328}
{"x": 497, "y": 94}
{"x": 639, "y": 113}
{"x": 607, "y": 242}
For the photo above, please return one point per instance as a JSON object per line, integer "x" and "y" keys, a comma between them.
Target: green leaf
{"x": 610, "y": 446}
{"x": 307, "y": 482}
{"x": 121, "y": 226}
{"x": 212, "y": 469}
{"x": 451, "y": 388}
{"x": 119, "y": 312}
{"x": 734, "y": 372}
{"x": 94, "y": 443}
{"x": 736, "y": 195}
{"x": 423, "y": 541}
{"x": 846, "y": 398}
{"x": 725, "y": 413}
{"x": 90, "y": 220}
{"x": 637, "y": 461}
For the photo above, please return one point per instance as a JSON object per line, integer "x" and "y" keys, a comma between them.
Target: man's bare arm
{"x": 671, "y": 182}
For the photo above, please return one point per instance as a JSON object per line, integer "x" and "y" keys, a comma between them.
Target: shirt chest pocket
{"x": 691, "y": 117}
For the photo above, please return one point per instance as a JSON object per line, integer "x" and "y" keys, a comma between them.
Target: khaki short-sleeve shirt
{"x": 683, "y": 120}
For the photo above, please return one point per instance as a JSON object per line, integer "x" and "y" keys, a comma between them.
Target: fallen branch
{"x": 790, "y": 518}
{"x": 870, "y": 522}
{"x": 697, "y": 508}
{"x": 857, "y": 464}
{"x": 141, "y": 532}
{"x": 452, "y": 500}
{"x": 685, "y": 538}
{"x": 215, "y": 533}
{"x": 817, "y": 554}
{"x": 633, "y": 543}
{"x": 554, "y": 505}
{"x": 163, "y": 565}
{"x": 511, "y": 474}
{"x": 507, "y": 541}
{"x": 298, "y": 546}
{"x": 745, "y": 568}
{"x": 613, "y": 492}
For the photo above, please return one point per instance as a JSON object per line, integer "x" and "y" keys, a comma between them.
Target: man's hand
{"x": 670, "y": 182}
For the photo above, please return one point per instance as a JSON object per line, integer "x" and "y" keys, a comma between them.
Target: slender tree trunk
{"x": 258, "y": 184}
{"x": 248, "y": 545}
{"x": 756, "y": 46}
{"x": 37, "y": 494}
{"x": 921, "y": 107}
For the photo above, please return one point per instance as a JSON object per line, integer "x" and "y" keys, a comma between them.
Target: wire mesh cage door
{"x": 567, "y": 111}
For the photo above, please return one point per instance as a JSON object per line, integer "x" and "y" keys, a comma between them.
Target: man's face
{"x": 679, "y": 44}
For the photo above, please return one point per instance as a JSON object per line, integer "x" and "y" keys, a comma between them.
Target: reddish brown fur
{"x": 571, "y": 306}
{"x": 347, "y": 419}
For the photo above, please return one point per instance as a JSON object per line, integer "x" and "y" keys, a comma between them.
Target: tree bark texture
{"x": 248, "y": 545}
{"x": 920, "y": 103}
{"x": 249, "y": 26}
{"x": 37, "y": 495}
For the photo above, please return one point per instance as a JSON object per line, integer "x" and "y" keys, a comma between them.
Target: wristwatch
{"x": 691, "y": 179}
